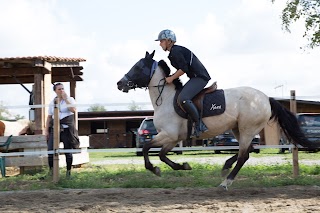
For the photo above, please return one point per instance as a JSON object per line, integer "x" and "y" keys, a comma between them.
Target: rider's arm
{"x": 176, "y": 75}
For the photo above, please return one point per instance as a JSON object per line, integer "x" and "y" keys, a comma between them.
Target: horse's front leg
{"x": 147, "y": 163}
{"x": 163, "y": 157}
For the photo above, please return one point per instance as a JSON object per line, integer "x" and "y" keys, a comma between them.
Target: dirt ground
{"x": 186, "y": 200}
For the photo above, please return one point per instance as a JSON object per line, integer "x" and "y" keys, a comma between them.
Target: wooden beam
{"x": 22, "y": 71}
{"x": 65, "y": 64}
{"x": 30, "y": 79}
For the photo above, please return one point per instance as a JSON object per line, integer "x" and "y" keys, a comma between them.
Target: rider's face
{"x": 164, "y": 43}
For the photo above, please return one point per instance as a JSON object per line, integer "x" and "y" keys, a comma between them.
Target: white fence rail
{"x": 194, "y": 148}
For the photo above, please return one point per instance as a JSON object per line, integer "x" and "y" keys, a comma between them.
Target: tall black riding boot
{"x": 194, "y": 114}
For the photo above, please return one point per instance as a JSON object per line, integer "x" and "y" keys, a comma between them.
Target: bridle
{"x": 160, "y": 86}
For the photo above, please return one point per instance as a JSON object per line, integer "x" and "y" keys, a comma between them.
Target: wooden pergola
{"x": 42, "y": 72}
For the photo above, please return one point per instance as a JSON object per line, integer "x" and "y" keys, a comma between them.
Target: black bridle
{"x": 147, "y": 70}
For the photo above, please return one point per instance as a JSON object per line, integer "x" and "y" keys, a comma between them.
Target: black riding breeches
{"x": 64, "y": 137}
{"x": 191, "y": 89}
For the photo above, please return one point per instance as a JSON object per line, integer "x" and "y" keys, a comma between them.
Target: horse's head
{"x": 139, "y": 75}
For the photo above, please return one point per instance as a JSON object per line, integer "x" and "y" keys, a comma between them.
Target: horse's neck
{"x": 165, "y": 99}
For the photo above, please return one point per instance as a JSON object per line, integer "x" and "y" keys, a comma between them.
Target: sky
{"x": 240, "y": 42}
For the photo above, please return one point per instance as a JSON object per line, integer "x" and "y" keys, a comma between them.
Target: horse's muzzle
{"x": 122, "y": 85}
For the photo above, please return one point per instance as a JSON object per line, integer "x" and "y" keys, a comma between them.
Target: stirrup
{"x": 199, "y": 129}
{"x": 203, "y": 127}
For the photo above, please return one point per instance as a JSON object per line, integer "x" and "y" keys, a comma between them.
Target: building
{"x": 111, "y": 129}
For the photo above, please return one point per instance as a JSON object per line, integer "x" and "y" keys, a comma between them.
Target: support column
{"x": 73, "y": 85}
{"x": 47, "y": 93}
{"x": 38, "y": 100}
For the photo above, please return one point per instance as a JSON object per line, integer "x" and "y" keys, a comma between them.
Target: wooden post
{"x": 73, "y": 85}
{"x": 56, "y": 141}
{"x": 38, "y": 99}
{"x": 295, "y": 160}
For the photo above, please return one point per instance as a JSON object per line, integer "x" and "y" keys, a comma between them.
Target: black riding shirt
{"x": 182, "y": 58}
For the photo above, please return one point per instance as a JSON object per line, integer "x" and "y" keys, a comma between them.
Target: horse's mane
{"x": 163, "y": 65}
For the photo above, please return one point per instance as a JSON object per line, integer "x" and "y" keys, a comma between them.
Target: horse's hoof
{"x": 157, "y": 171}
{"x": 224, "y": 172}
{"x": 186, "y": 166}
{"x": 226, "y": 183}
{"x": 225, "y": 188}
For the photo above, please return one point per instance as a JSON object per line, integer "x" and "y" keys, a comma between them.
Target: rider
{"x": 186, "y": 61}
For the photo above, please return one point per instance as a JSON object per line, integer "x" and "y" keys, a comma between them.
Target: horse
{"x": 18, "y": 127}
{"x": 247, "y": 112}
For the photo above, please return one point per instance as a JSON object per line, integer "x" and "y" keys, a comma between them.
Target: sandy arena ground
{"x": 284, "y": 199}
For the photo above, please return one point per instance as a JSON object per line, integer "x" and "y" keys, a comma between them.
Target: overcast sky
{"x": 240, "y": 42}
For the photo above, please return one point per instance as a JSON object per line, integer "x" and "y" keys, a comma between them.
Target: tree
{"x": 134, "y": 106}
{"x": 307, "y": 10}
{"x": 6, "y": 115}
{"x": 4, "y": 112}
{"x": 96, "y": 108}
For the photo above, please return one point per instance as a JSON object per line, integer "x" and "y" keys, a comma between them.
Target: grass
{"x": 136, "y": 176}
{"x": 99, "y": 156}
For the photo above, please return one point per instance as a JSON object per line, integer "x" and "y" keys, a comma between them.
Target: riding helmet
{"x": 167, "y": 34}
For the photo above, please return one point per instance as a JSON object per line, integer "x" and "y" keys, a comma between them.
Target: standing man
{"x": 68, "y": 132}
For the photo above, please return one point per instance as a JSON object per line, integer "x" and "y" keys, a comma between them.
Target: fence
{"x": 57, "y": 150}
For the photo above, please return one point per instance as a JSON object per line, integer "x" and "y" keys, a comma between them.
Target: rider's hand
{"x": 169, "y": 79}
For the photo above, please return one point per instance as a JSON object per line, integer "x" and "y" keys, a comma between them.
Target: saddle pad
{"x": 213, "y": 104}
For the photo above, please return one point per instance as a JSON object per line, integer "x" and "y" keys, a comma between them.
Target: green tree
{"x": 309, "y": 12}
{"x": 4, "y": 112}
{"x": 96, "y": 108}
{"x": 6, "y": 115}
{"x": 18, "y": 117}
{"x": 134, "y": 107}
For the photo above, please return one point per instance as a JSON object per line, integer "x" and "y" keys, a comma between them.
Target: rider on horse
{"x": 186, "y": 61}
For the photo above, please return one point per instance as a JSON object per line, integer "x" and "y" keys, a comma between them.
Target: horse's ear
{"x": 150, "y": 56}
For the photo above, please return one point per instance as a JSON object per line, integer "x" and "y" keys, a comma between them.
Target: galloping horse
{"x": 247, "y": 112}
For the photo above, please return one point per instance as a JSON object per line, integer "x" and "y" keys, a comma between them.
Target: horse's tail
{"x": 289, "y": 125}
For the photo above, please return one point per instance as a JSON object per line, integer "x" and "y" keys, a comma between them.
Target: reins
{"x": 160, "y": 90}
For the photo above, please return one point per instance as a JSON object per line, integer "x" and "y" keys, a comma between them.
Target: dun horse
{"x": 243, "y": 109}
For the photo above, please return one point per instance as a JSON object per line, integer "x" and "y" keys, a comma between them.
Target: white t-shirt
{"x": 63, "y": 109}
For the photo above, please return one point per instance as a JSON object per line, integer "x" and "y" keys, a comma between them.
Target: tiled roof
{"x": 45, "y": 58}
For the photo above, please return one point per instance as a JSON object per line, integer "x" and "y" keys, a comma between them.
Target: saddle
{"x": 210, "y": 101}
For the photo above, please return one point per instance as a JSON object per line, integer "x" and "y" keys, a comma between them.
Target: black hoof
{"x": 186, "y": 166}
{"x": 157, "y": 171}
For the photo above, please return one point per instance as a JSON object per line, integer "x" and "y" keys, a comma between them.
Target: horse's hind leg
{"x": 243, "y": 156}
{"x": 163, "y": 157}
{"x": 228, "y": 164}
